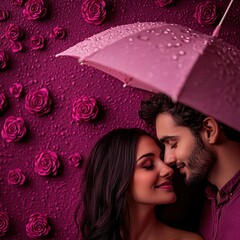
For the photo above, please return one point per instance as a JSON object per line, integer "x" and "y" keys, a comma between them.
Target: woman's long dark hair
{"x": 108, "y": 172}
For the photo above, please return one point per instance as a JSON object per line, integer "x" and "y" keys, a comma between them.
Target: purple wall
{"x": 57, "y": 195}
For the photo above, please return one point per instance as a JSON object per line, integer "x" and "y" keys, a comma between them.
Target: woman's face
{"x": 152, "y": 179}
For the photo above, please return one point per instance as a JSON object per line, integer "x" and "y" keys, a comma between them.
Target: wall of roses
{"x": 52, "y": 110}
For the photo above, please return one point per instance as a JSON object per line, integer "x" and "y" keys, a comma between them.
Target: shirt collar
{"x": 227, "y": 190}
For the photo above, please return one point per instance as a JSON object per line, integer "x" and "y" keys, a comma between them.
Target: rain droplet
{"x": 169, "y": 45}
{"x": 185, "y": 40}
{"x": 180, "y": 66}
{"x": 143, "y": 38}
{"x": 175, "y": 57}
{"x": 130, "y": 39}
{"x": 181, "y": 52}
{"x": 177, "y": 44}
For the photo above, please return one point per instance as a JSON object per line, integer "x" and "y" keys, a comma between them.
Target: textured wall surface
{"x": 42, "y": 127}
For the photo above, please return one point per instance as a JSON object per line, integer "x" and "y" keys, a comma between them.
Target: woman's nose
{"x": 165, "y": 170}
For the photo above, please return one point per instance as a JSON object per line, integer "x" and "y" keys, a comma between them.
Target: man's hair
{"x": 183, "y": 115}
{"x": 108, "y": 172}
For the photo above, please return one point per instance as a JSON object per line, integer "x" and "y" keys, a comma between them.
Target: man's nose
{"x": 170, "y": 158}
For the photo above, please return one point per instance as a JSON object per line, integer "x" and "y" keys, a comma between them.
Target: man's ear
{"x": 210, "y": 130}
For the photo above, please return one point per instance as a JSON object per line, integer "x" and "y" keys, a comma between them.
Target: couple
{"x": 125, "y": 177}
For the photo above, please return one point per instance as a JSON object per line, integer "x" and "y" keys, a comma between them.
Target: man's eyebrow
{"x": 145, "y": 155}
{"x": 166, "y": 138}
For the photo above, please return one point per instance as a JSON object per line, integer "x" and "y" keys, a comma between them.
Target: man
{"x": 202, "y": 149}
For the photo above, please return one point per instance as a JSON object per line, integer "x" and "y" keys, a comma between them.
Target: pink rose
{"x": 38, "y": 102}
{"x": 4, "y": 15}
{"x": 4, "y": 223}
{"x": 163, "y": 3}
{"x": 13, "y": 32}
{"x": 75, "y": 159}
{"x": 16, "y": 90}
{"x": 16, "y": 46}
{"x": 206, "y": 13}
{"x": 17, "y": 2}
{"x": 85, "y": 109}
{"x": 34, "y": 9}
{"x": 16, "y": 177}
{"x": 13, "y": 129}
{"x": 46, "y": 163}
{"x": 3, "y": 60}
{"x": 3, "y": 102}
{"x": 94, "y": 11}
{"x": 58, "y": 33}
{"x": 37, "y": 226}
{"x": 37, "y": 42}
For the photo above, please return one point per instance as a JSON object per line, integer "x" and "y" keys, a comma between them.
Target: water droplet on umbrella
{"x": 175, "y": 57}
{"x": 169, "y": 45}
{"x": 177, "y": 44}
{"x": 180, "y": 66}
{"x": 143, "y": 38}
{"x": 181, "y": 52}
{"x": 185, "y": 40}
{"x": 130, "y": 39}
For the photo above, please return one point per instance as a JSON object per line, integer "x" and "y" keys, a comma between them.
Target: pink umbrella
{"x": 196, "y": 69}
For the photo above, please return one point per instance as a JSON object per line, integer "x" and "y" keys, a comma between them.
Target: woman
{"x": 125, "y": 179}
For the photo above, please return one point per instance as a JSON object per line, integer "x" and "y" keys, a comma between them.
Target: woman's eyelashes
{"x": 148, "y": 165}
{"x": 174, "y": 145}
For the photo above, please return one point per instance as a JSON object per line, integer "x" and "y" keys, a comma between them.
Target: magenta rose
{"x": 37, "y": 226}
{"x": 37, "y": 42}
{"x": 38, "y": 102}
{"x": 4, "y": 223}
{"x": 13, "y": 129}
{"x": 46, "y": 163}
{"x": 16, "y": 46}
{"x": 58, "y": 33}
{"x": 4, "y": 15}
{"x": 3, "y": 102}
{"x": 34, "y": 9}
{"x": 16, "y": 90}
{"x": 13, "y": 32}
{"x": 85, "y": 109}
{"x": 17, "y": 2}
{"x": 206, "y": 13}
{"x": 75, "y": 159}
{"x": 163, "y": 3}
{"x": 94, "y": 11}
{"x": 3, "y": 60}
{"x": 16, "y": 177}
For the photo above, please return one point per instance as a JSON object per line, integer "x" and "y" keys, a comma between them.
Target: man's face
{"x": 188, "y": 153}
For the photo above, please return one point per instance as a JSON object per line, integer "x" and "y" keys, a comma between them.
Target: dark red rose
{"x": 34, "y": 9}
{"x": 4, "y": 223}
{"x": 85, "y": 109}
{"x": 163, "y": 3}
{"x": 46, "y": 163}
{"x": 13, "y": 32}
{"x": 37, "y": 226}
{"x": 3, "y": 60}
{"x": 16, "y": 177}
{"x": 94, "y": 11}
{"x": 206, "y": 13}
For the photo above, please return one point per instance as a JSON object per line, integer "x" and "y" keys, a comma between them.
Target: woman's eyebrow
{"x": 145, "y": 155}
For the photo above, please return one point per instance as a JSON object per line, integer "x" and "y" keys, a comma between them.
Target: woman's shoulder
{"x": 184, "y": 235}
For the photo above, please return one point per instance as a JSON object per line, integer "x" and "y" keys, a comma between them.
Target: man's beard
{"x": 200, "y": 162}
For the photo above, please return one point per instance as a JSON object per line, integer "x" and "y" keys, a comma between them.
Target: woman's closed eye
{"x": 148, "y": 165}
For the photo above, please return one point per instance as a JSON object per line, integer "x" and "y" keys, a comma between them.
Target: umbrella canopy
{"x": 193, "y": 68}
